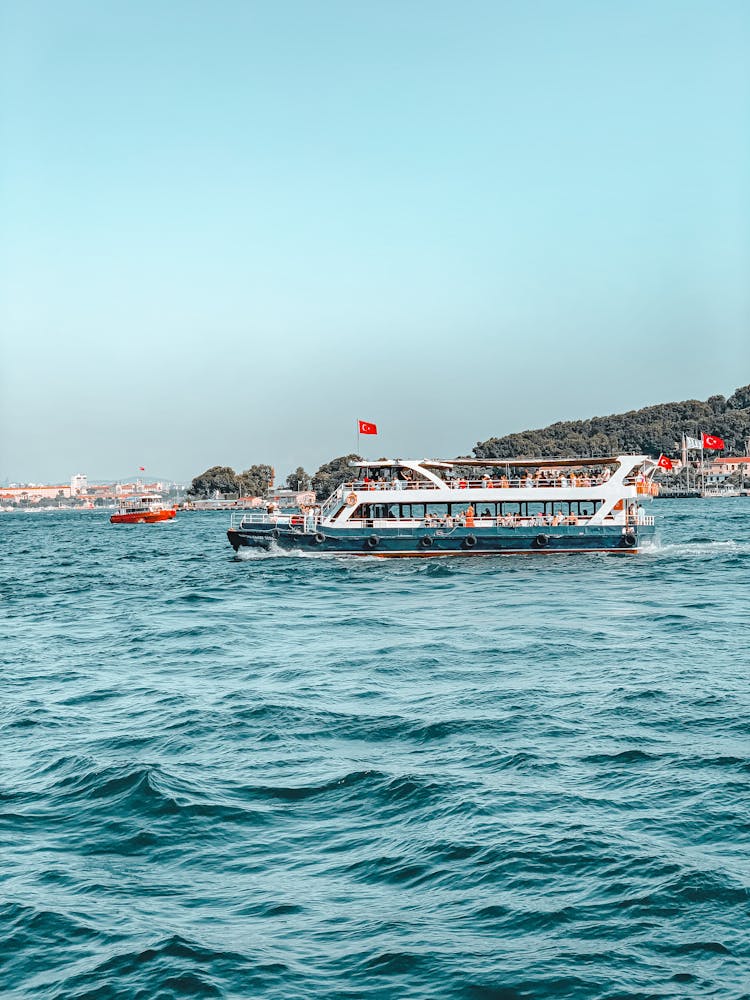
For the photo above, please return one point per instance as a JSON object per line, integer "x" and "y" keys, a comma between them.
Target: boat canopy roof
{"x": 481, "y": 463}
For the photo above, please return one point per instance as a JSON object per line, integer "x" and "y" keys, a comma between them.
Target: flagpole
{"x": 684, "y": 462}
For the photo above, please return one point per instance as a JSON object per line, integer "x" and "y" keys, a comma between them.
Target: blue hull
{"x": 389, "y": 542}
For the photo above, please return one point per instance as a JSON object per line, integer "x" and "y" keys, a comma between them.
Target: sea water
{"x": 293, "y": 777}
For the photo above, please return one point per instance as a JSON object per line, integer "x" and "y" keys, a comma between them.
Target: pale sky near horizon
{"x": 229, "y": 230}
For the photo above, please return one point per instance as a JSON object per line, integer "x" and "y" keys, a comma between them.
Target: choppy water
{"x": 318, "y": 777}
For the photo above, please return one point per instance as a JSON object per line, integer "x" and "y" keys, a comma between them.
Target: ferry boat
{"x": 469, "y": 506}
{"x": 146, "y": 508}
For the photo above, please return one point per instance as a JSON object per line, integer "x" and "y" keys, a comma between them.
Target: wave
{"x": 704, "y": 546}
{"x": 172, "y": 967}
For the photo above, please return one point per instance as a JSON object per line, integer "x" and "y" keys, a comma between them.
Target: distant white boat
{"x": 720, "y": 491}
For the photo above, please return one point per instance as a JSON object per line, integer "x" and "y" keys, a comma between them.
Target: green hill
{"x": 652, "y": 430}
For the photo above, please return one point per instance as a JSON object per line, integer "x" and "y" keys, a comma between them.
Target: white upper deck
{"x": 607, "y": 480}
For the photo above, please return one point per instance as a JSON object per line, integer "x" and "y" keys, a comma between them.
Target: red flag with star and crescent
{"x": 712, "y": 442}
{"x": 665, "y": 463}
{"x": 367, "y": 428}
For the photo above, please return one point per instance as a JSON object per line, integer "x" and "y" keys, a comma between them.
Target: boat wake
{"x": 700, "y": 547}
{"x": 274, "y": 551}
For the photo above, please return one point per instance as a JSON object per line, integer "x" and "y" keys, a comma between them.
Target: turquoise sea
{"x": 314, "y": 777}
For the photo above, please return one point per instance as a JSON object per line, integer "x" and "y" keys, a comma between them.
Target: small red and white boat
{"x": 143, "y": 509}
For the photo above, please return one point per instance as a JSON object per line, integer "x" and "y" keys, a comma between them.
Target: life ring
{"x": 351, "y": 499}
{"x": 541, "y": 541}
{"x": 629, "y": 539}
{"x": 470, "y": 541}
{"x": 372, "y": 542}
{"x": 319, "y": 537}
{"x": 425, "y": 541}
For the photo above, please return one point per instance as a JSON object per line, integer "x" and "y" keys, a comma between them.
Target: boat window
{"x": 561, "y": 507}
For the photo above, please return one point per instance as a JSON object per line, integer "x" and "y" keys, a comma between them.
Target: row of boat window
{"x": 419, "y": 511}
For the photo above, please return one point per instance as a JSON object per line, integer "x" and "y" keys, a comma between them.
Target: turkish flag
{"x": 665, "y": 463}
{"x": 712, "y": 442}
{"x": 365, "y": 428}
{"x": 142, "y": 468}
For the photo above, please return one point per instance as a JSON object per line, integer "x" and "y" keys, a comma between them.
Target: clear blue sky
{"x": 229, "y": 230}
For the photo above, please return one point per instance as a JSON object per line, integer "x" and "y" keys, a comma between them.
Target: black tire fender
{"x": 541, "y": 541}
{"x": 319, "y": 537}
{"x": 425, "y": 541}
{"x": 629, "y": 539}
{"x": 470, "y": 541}
{"x": 372, "y": 542}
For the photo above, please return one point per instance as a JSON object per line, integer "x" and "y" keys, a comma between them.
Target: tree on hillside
{"x": 332, "y": 474}
{"x": 256, "y": 481}
{"x": 218, "y": 479}
{"x": 740, "y": 399}
{"x": 652, "y": 430}
{"x": 298, "y": 479}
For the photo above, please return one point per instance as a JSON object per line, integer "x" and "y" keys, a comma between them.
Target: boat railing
{"x": 334, "y": 499}
{"x": 307, "y": 521}
{"x": 503, "y": 482}
{"x": 509, "y": 521}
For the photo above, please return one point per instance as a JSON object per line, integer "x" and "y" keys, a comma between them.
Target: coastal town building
{"x": 728, "y": 466}
{"x": 78, "y": 493}
{"x": 722, "y": 469}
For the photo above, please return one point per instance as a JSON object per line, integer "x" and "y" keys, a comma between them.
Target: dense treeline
{"x": 652, "y": 430}
{"x": 222, "y": 479}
